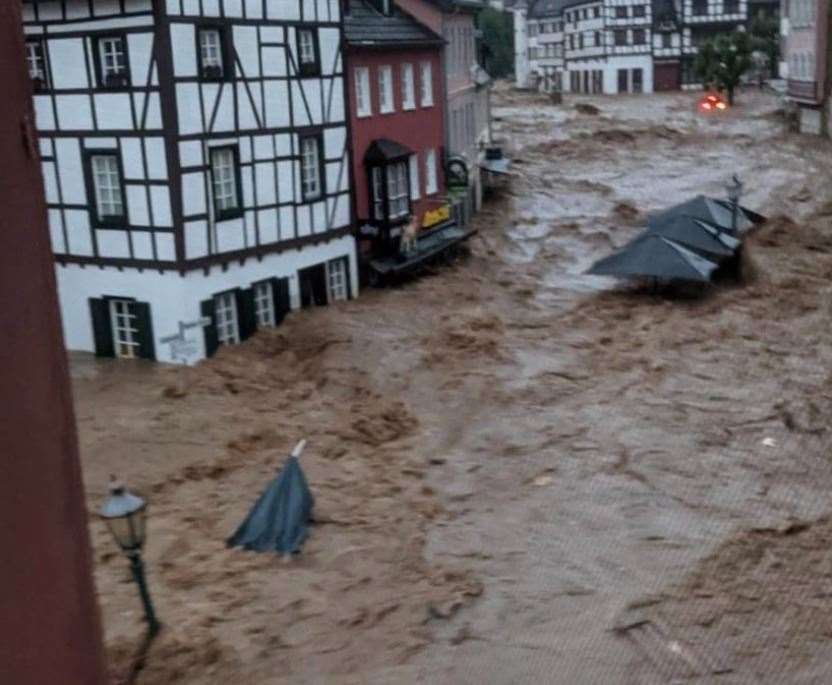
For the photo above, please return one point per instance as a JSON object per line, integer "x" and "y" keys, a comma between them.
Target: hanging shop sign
{"x": 436, "y": 216}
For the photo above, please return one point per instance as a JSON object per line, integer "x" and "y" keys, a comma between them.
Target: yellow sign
{"x": 436, "y": 216}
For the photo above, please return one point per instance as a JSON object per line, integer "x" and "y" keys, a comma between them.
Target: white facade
{"x": 190, "y": 148}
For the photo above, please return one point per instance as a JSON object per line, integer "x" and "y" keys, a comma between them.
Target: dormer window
{"x": 112, "y": 62}
{"x": 211, "y": 54}
{"x": 36, "y": 63}
{"x": 309, "y": 63}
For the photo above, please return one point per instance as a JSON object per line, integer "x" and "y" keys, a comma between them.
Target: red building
{"x": 396, "y": 101}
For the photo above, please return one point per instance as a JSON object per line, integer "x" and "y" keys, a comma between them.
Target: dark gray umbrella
{"x": 700, "y": 236}
{"x": 717, "y": 212}
{"x": 654, "y": 256}
{"x": 278, "y": 521}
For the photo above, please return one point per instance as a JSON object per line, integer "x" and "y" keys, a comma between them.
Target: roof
{"x": 548, "y": 8}
{"x": 384, "y": 150}
{"x": 366, "y": 26}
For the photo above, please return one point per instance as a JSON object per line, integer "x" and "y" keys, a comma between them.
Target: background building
{"x": 807, "y": 56}
{"x": 196, "y": 164}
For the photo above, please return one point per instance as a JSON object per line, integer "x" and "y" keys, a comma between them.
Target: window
{"x": 597, "y": 38}
{"x": 363, "y": 104}
{"x": 572, "y": 41}
{"x": 264, "y": 304}
{"x": 112, "y": 62}
{"x": 398, "y": 191}
{"x": 308, "y": 58}
{"x": 431, "y": 185}
{"x": 700, "y": 7}
{"x": 378, "y": 194}
{"x": 667, "y": 40}
{"x": 225, "y": 182}
{"x": 640, "y": 11}
{"x": 105, "y": 172}
{"x": 620, "y": 37}
{"x": 385, "y": 90}
{"x": 125, "y": 328}
{"x": 211, "y": 53}
{"x": 731, "y": 6}
{"x": 337, "y": 279}
{"x": 581, "y": 41}
{"x": 426, "y": 84}
{"x": 310, "y": 167}
{"x": 620, "y": 12}
{"x": 225, "y": 319}
{"x": 639, "y": 37}
{"x": 408, "y": 87}
{"x": 596, "y": 12}
{"x": 638, "y": 80}
{"x": 36, "y": 63}
{"x": 415, "y": 192}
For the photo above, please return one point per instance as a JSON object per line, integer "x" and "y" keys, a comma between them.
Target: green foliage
{"x": 498, "y": 40}
{"x": 722, "y": 61}
{"x": 765, "y": 38}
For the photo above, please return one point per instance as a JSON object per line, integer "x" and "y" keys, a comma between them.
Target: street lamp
{"x": 734, "y": 189}
{"x": 124, "y": 514}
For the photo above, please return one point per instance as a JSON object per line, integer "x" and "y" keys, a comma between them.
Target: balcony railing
{"x": 807, "y": 91}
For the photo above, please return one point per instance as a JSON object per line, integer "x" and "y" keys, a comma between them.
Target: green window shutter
{"x": 246, "y": 316}
{"x": 209, "y": 331}
{"x": 282, "y": 303}
{"x": 147, "y": 346}
{"x": 102, "y": 328}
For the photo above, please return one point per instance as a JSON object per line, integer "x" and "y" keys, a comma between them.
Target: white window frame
{"x": 431, "y": 180}
{"x": 426, "y": 84}
{"x": 307, "y": 54}
{"x": 112, "y": 53}
{"x": 224, "y": 188}
{"x": 226, "y": 318}
{"x": 125, "y": 332}
{"x": 398, "y": 190}
{"x": 415, "y": 190}
{"x": 106, "y": 181}
{"x": 263, "y": 293}
{"x": 310, "y": 168}
{"x": 386, "y": 104}
{"x": 408, "y": 87}
{"x": 363, "y": 99}
{"x": 337, "y": 279}
{"x": 36, "y": 59}
{"x": 211, "y": 49}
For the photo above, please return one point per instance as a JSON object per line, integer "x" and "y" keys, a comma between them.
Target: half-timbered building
{"x": 195, "y": 157}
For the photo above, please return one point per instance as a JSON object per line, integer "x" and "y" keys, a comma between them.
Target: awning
{"x": 383, "y": 150}
{"x": 496, "y": 166}
{"x": 428, "y": 245}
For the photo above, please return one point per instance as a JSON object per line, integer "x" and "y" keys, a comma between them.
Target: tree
{"x": 765, "y": 38}
{"x": 498, "y": 41}
{"x": 723, "y": 60}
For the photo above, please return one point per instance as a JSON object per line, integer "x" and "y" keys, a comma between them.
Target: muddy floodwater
{"x": 522, "y": 474}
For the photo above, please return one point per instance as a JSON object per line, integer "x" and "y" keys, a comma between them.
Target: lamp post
{"x": 734, "y": 189}
{"x": 124, "y": 513}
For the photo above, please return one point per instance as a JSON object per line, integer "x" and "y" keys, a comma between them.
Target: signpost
{"x": 182, "y": 349}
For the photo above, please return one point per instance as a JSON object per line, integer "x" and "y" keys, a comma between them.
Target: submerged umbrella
{"x": 700, "y": 236}
{"x": 717, "y": 212}
{"x": 278, "y": 521}
{"x": 654, "y": 256}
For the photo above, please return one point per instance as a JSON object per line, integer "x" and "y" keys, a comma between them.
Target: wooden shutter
{"x": 282, "y": 303}
{"x": 246, "y": 316}
{"x": 102, "y": 328}
{"x": 147, "y": 346}
{"x": 210, "y": 331}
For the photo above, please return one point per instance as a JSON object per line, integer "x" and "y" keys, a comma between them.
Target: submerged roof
{"x": 366, "y": 26}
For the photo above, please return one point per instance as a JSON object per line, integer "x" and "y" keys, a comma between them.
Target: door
{"x": 667, "y": 76}
{"x": 623, "y": 81}
{"x": 337, "y": 275}
{"x": 125, "y": 329}
{"x": 313, "y": 286}
{"x": 638, "y": 80}
{"x": 225, "y": 318}
{"x": 122, "y": 327}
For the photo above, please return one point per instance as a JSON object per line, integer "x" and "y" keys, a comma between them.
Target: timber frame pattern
{"x": 164, "y": 121}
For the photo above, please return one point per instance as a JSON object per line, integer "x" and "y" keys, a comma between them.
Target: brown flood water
{"x": 522, "y": 474}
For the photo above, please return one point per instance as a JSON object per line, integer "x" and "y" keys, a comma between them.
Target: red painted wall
{"x": 49, "y": 621}
{"x": 420, "y": 129}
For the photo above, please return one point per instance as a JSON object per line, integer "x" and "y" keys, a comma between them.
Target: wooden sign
{"x": 436, "y": 216}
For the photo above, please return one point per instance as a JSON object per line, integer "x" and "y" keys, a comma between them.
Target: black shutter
{"x": 147, "y": 347}
{"x": 102, "y": 328}
{"x": 246, "y": 316}
{"x": 282, "y": 303}
{"x": 210, "y": 331}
